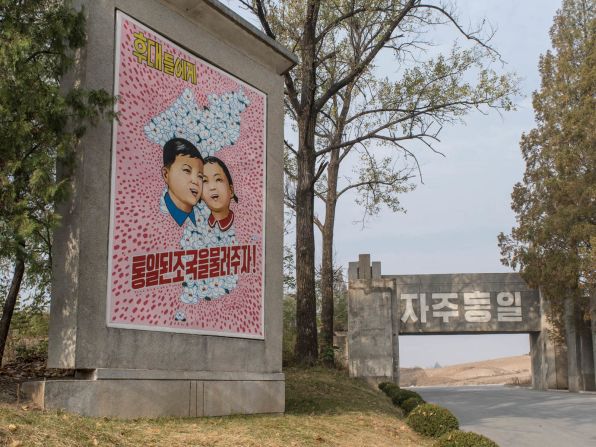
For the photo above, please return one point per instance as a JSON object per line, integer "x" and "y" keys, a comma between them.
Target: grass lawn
{"x": 323, "y": 408}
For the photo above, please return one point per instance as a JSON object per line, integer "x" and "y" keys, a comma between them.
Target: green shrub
{"x": 458, "y": 438}
{"x": 432, "y": 420}
{"x": 388, "y": 387}
{"x": 400, "y": 396}
{"x": 409, "y": 404}
{"x": 383, "y": 385}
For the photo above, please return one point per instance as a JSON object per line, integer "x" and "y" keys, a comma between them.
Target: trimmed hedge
{"x": 432, "y": 420}
{"x": 458, "y": 438}
{"x": 400, "y": 396}
{"x": 390, "y": 389}
{"x": 384, "y": 386}
{"x": 409, "y": 404}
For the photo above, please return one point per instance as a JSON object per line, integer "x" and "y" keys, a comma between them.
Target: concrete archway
{"x": 383, "y": 307}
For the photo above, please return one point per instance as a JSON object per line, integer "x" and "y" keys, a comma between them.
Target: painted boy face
{"x": 185, "y": 181}
{"x": 217, "y": 191}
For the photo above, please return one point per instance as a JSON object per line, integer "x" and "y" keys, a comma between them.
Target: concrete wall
{"x": 154, "y": 398}
{"x": 475, "y": 300}
{"x": 373, "y": 345}
{"x": 151, "y": 363}
{"x": 79, "y": 337}
{"x": 372, "y": 352}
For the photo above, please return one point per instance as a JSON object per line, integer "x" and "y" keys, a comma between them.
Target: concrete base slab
{"x": 134, "y": 398}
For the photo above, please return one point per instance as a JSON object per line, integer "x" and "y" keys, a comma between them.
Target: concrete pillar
{"x": 538, "y": 361}
{"x": 364, "y": 268}
{"x": 376, "y": 270}
{"x": 571, "y": 343}
{"x": 573, "y": 348}
{"x": 586, "y": 353}
{"x": 373, "y": 347}
{"x": 352, "y": 271}
{"x": 593, "y": 327}
{"x": 548, "y": 359}
{"x": 579, "y": 347}
{"x": 549, "y": 362}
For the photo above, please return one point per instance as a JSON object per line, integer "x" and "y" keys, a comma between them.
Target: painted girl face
{"x": 217, "y": 191}
{"x": 185, "y": 181}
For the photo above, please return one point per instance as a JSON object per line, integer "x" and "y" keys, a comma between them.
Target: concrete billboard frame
{"x": 133, "y": 373}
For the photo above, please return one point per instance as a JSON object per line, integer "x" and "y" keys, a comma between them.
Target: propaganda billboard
{"x": 187, "y": 192}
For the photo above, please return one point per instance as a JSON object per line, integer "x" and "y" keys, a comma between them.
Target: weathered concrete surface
{"x": 466, "y": 302}
{"x": 372, "y": 352}
{"x": 517, "y": 417}
{"x": 381, "y": 307}
{"x": 79, "y": 337}
{"x": 129, "y": 399}
{"x": 549, "y": 360}
{"x": 579, "y": 348}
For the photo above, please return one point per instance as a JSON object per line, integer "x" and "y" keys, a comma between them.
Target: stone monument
{"x": 167, "y": 289}
{"x": 383, "y": 307}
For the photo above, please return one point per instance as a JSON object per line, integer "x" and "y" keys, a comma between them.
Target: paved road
{"x": 518, "y": 417}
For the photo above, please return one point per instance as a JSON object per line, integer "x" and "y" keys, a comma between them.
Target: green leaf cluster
{"x": 457, "y": 438}
{"x": 432, "y": 420}
{"x": 41, "y": 121}
{"x": 555, "y": 203}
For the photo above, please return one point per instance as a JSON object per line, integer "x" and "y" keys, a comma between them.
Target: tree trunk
{"x": 10, "y": 303}
{"x": 306, "y": 311}
{"x": 327, "y": 276}
{"x": 306, "y": 306}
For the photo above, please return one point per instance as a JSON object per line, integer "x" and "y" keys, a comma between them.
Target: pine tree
{"x": 555, "y": 204}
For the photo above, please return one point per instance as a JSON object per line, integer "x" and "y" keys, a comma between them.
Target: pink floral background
{"x": 138, "y": 226}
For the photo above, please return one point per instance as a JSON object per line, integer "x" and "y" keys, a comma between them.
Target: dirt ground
{"x": 507, "y": 371}
{"x": 14, "y": 373}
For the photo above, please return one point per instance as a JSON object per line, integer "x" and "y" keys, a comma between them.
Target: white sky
{"x": 453, "y": 219}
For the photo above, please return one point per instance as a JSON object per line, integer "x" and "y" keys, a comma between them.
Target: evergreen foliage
{"x": 432, "y": 420}
{"x": 398, "y": 397}
{"x": 457, "y": 438}
{"x": 40, "y": 125}
{"x": 411, "y": 403}
{"x": 555, "y": 203}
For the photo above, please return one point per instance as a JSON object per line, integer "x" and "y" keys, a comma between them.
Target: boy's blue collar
{"x": 178, "y": 215}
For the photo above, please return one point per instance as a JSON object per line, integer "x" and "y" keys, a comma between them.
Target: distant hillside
{"x": 507, "y": 370}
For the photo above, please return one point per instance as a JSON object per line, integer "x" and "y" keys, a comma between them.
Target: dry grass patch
{"x": 324, "y": 408}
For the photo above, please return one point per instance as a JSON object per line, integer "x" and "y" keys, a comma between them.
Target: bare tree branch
{"x": 320, "y": 171}
{"x": 362, "y": 65}
{"x": 371, "y": 183}
{"x": 325, "y": 31}
{"x": 290, "y": 147}
{"x": 289, "y": 81}
{"x": 469, "y": 36}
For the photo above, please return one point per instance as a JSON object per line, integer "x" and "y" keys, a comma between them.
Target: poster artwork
{"x": 188, "y": 192}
